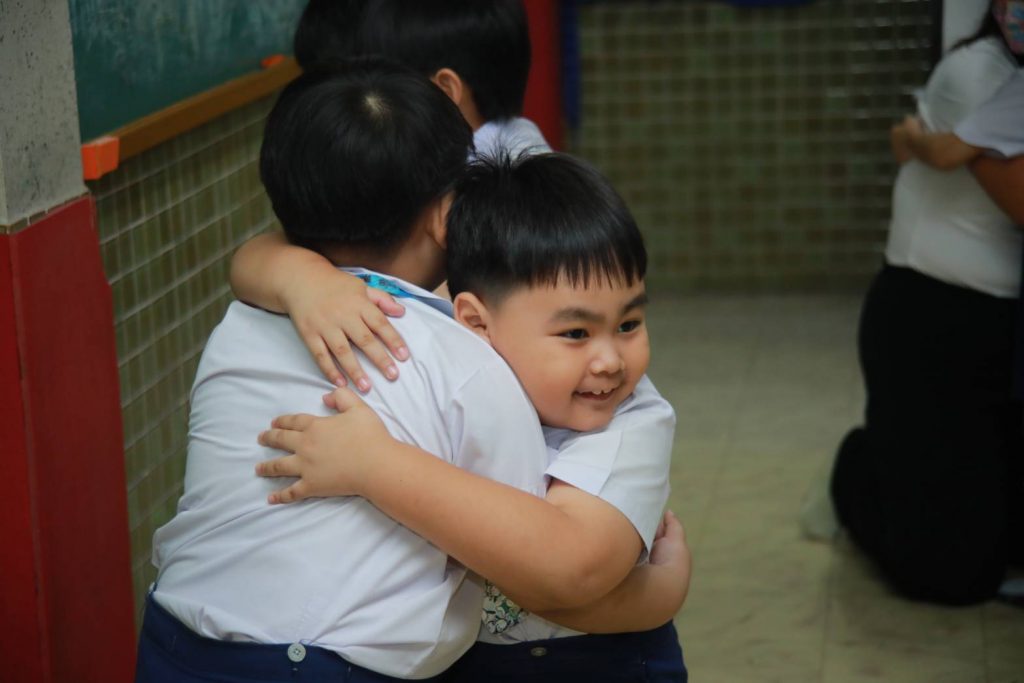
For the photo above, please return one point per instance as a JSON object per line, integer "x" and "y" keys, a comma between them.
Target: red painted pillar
{"x": 65, "y": 580}
{"x": 543, "y": 103}
{"x": 22, "y": 648}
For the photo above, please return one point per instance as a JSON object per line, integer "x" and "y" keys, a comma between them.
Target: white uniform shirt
{"x": 943, "y": 223}
{"x": 336, "y": 572}
{"x": 514, "y": 136}
{"x": 998, "y": 125}
{"x": 626, "y": 464}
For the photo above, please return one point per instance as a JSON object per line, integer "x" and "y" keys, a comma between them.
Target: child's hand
{"x": 913, "y": 125}
{"x": 671, "y": 555}
{"x": 331, "y": 456}
{"x": 670, "y": 550}
{"x": 331, "y": 315}
{"x": 899, "y": 141}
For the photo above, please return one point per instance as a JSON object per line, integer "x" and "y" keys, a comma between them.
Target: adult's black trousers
{"x": 932, "y": 486}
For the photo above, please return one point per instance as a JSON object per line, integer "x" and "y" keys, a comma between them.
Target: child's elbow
{"x": 574, "y": 584}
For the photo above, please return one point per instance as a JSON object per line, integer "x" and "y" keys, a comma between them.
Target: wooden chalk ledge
{"x": 102, "y": 155}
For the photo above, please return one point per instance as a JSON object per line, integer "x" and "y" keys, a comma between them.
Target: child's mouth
{"x": 596, "y": 396}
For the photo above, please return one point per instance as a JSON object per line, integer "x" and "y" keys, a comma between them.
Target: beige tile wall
{"x": 168, "y": 221}
{"x": 752, "y": 144}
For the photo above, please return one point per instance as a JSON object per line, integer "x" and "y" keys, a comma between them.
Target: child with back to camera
{"x": 547, "y": 266}
{"x": 478, "y": 54}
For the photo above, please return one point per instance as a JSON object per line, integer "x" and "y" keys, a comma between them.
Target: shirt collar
{"x": 428, "y": 298}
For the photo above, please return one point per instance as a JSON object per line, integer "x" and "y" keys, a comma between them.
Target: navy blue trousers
{"x": 650, "y": 656}
{"x": 170, "y": 652}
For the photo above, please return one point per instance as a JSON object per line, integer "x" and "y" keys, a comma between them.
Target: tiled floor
{"x": 764, "y": 388}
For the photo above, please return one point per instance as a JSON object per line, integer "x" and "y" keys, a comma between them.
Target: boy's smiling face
{"x": 578, "y": 351}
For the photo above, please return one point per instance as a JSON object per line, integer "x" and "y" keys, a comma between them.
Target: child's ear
{"x": 472, "y": 313}
{"x": 439, "y": 220}
{"x": 459, "y": 92}
{"x": 451, "y": 83}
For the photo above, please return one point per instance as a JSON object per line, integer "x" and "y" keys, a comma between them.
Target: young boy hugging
{"x": 547, "y": 266}
{"x": 478, "y": 53}
{"x": 359, "y": 164}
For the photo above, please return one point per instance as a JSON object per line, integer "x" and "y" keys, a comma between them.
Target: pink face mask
{"x": 1010, "y": 16}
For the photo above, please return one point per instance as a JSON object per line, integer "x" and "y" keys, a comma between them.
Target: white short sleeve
{"x": 965, "y": 78}
{"x": 625, "y": 464}
{"x": 998, "y": 124}
{"x": 495, "y": 430}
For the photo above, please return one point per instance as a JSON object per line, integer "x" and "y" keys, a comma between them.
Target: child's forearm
{"x": 943, "y": 151}
{"x": 541, "y": 555}
{"x": 646, "y": 599}
{"x": 263, "y": 269}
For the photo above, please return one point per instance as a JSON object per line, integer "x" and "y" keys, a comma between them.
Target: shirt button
{"x": 296, "y": 652}
{"x": 539, "y": 651}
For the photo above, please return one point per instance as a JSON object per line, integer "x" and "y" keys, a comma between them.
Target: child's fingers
{"x": 285, "y": 466}
{"x": 298, "y": 422}
{"x": 323, "y": 358}
{"x": 344, "y": 399}
{"x": 382, "y": 328}
{"x": 673, "y": 526}
{"x": 290, "y": 494}
{"x": 385, "y": 302}
{"x": 367, "y": 341}
{"x": 378, "y": 354}
{"x": 281, "y": 439}
{"x": 349, "y": 362}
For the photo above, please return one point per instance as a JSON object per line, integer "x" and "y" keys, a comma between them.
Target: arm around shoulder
{"x": 328, "y": 307}
{"x": 264, "y": 269}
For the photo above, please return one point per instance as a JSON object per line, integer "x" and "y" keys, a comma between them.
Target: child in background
{"x": 478, "y": 53}
{"x": 547, "y": 266}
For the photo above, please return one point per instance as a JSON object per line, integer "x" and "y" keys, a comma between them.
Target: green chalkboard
{"x": 134, "y": 57}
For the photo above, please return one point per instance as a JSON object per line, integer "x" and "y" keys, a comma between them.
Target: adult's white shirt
{"x": 336, "y": 573}
{"x": 998, "y": 125}
{"x": 943, "y": 223}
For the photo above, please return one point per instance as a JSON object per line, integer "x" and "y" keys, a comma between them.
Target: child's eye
{"x": 576, "y": 334}
{"x": 630, "y": 325}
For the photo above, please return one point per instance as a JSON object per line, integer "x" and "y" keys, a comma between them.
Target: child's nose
{"x": 608, "y": 360}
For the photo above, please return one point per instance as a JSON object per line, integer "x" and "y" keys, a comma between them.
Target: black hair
{"x": 486, "y": 42}
{"x": 989, "y": 28}
{"x": 353, "y": 155}
{"x": 533, "y": 220}
{"x": 326, "y": 33}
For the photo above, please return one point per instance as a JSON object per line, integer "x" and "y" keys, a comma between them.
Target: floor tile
{"x": 764, "y": 389}
{"x": 897, "y": 663}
